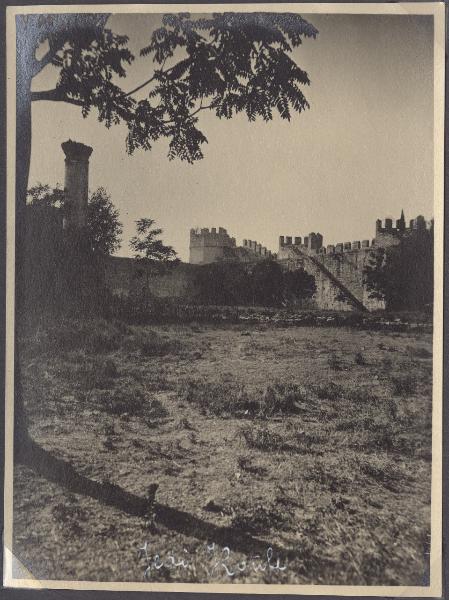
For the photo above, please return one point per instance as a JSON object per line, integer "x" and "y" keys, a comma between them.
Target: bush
{"x": 153, "y": 344}
{"x": 128, "y": 398}
{"x": 404, "y": 385}
{"x": 334, "y": 362}
{"x": 109, "y": 369}
{"x": 232, "y": 400}
{"x": 419, "y": 352}
{"x": 362, "y": 395}
{"x": 359, "y": 359}
{"x": 262, "y": 439}
{"x": 92, "y": 336}
{"x": 384, "y": 471}
{"x": 219, "y": 399}
{"x": 283, "y": 398}
{"x": 330, "y": 391}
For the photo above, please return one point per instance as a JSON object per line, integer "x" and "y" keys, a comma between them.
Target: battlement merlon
{"x": 400, "y": 226}
{"x": 206, "y": 237}
{"x": 313, "y": 241}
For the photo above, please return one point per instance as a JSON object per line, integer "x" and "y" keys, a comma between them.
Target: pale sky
{"x": 364, "y": 150}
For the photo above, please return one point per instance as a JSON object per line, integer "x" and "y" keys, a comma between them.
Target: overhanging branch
{"x": 55, "y": 95}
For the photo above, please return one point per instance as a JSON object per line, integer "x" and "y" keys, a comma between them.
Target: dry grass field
{"x": 312, "y": 441}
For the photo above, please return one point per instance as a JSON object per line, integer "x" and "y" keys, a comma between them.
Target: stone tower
{"x": 76, "y": 183}
{"x": 207, "y": 246}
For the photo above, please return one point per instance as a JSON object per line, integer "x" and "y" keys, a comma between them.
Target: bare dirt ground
{"x": 313, "y": 441}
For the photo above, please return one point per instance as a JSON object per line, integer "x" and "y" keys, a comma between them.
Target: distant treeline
{"x": 263, "y": 283}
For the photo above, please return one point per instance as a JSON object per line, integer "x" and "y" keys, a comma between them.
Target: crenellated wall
{"x": 339, "y": 268}
{"x": 207, "y": 246}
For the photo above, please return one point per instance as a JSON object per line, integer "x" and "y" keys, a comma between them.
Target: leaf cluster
{"x": 88, "y": 56}
{"x": 147, "y": 245}
{"x": 233, "y": 63}
{"x": 103, "y": 225}
{"x": 263, "y": 283}
{"x": 229, "y": 63}
{"x": 402, "y": 275}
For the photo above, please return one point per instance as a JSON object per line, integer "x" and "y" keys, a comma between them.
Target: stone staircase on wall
{"x": 332, "y": 292}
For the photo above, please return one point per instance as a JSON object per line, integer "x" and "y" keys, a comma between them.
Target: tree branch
{"x": 142, "y": 85}
{"x": 39, "y": 65}
{"x": 190, "y": 114}
{"x": 139, "y": 87}
{"x": 55, "y": 95}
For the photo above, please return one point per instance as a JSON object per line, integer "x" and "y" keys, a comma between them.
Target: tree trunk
{"x": 23, "y": 154}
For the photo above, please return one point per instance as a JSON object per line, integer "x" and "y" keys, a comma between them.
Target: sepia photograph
{"x": 224, "y": 298}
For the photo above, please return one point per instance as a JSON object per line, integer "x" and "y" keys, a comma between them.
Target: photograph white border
{"x": 434, "y": 590}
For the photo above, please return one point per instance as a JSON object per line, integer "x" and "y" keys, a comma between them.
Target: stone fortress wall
{"x": 338, "y": 269}
{"x": 207, "y": 246}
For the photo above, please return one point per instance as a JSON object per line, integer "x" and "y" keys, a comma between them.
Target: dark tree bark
{"x": 24, "y": 75}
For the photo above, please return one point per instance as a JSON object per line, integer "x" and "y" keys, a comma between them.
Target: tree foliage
{"x": 402, "y": 275}
{"x": 147, "y": 245}
{"x": 298, "y": 285}
{"x": 267, "y": 283}
{"x": 223, "y": 283}
{"x": 87, "y": 57}
{"x": 229, "y": 63}
{"x": 103, "y": 226}
{"x": 45, "y": 196}
{"x": 263, "y": 283}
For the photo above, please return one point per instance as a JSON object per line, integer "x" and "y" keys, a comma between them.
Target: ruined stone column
{"x": 76, "y": 184}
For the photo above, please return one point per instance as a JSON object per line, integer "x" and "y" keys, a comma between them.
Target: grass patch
{"x": 330, "y": 391}
{"x": 262, "y": 439}
{"x": 359, "y": 359}
{"x": 153, "y": 344}
{"x": 128, "y": 398}
{"x": 419, "y": 352}
{"x": 404, "y": 385}
{"x": 260, "y": 519}
{"x": 384, "y": 471}
{"x": 92, "y": 336}
{"x": 233, "y": 400}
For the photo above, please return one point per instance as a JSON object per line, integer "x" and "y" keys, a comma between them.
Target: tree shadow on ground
{"x": 63, "y": 473}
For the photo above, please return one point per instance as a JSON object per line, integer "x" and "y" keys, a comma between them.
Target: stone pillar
{"x": 76, "y": 184}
